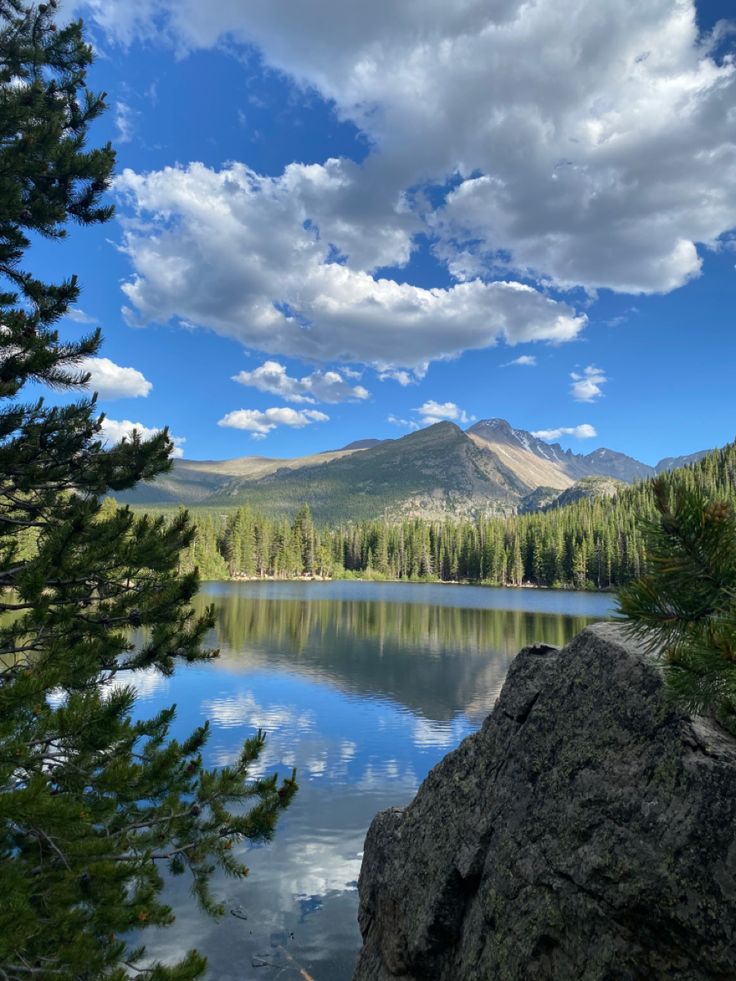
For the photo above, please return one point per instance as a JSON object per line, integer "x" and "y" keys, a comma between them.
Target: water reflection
{"x": 363, "y": 696}
{"x": 375, "y": 647}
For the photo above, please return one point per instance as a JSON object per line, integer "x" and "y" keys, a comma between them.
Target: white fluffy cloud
{"x": 431, "y": 412}
{"x": 260, "y": 423}
{"x": 112, "y": 381}
{"x": 320, "y": 386}
{"x": 587, "y": 386}
{"x": 113, "y": 430}
{"x": 240, "y": 253}
{"x": 404, "y": 378}
{"x": 604, "y": 160}
{"x": 583, "y": 431}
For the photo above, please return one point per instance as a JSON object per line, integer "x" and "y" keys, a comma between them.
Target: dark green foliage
{"x": 248, "y": 545}
{"x": 95, "y": 805}
{"x": 684, "y": 607}
{"x": 593, "y": 543}
{"x": 46, "y": 178}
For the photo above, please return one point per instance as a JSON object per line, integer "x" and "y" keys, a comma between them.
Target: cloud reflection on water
{"x": 363, "y": 698}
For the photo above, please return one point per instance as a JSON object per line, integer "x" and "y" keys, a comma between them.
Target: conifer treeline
{"x": 591, "y": 544}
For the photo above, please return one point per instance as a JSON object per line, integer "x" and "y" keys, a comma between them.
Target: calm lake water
{"x": 363, "y": 687}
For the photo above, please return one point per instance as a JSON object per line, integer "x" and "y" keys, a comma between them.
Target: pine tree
{"x": 591, "y": 543}
{"x": 303, "y": 535}
{"x": 94, "y": 807}
{"x": 684, "y": 607}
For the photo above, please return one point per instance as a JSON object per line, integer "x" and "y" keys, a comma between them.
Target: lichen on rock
{"x": 587, "y": 831}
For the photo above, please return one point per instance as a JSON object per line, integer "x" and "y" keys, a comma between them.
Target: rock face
{"x": 587, "y": 831}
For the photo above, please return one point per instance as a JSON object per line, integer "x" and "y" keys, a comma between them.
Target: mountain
{"x": 542, "y": 464}
{"x": 673, "y": 462}
{"x": 590, "y": 487}
{"x": 536, "y": 463}
{"x": 540, "y": 499}
{"x": 437, "y": 472}
{"x": 201, "y": 482}
{"x": 609, "y": 463}
{"x": 362, "y": 444}
{"x": 434, "y": 472}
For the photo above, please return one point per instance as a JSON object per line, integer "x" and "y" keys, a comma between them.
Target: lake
{"x": 363, "y": 687}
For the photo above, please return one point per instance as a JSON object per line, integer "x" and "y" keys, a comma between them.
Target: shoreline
{"x": 567, "y": 588}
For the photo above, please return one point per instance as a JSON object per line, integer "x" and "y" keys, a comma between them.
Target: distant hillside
{"x": 436, "y": 472}
{"x": 594, "y": 539}
{"x": 362, "y": 444}
{"x": 202, "y": 482}
{"x": 539, "y": 499}
{"x": 673, "y": 462}
{"x": 592, "y": 488}
{"x": 609, "y": 463}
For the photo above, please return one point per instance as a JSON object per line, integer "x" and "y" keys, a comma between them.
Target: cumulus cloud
{"x": 240, "y": 253}
{"x": 528, "y": 360}
{"x": 586, "y": 387}
{"x": 583, "y": 431}
{"x": 404, "y": 378}
{"x": 112, "y": 381}
{"x": 604, "y": 161}
{"x": 114, "y": 430}
{"x": 431, "y": 412}
{"x": 320, "y": 386}
{"x": 260, "y": 423}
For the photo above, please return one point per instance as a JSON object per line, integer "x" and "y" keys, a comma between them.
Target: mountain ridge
{"x": 436, "y": 472}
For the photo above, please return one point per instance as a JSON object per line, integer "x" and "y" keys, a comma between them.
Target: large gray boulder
{"x": 587, "y": 831}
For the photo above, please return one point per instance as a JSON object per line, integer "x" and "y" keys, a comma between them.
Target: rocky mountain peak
{"x": 499, "y": 430}
{"x": 436, "y": 471}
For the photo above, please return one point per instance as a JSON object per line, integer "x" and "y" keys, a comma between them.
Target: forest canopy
{"x": 594, "y": 543}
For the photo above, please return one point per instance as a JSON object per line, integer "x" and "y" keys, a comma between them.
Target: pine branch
{"x": 684, "y": 608}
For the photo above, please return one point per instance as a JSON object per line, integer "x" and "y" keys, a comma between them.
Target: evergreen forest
{"x": 593, "y": 543}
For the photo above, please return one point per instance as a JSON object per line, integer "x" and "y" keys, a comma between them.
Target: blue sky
{"x": 339, "y": 221}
